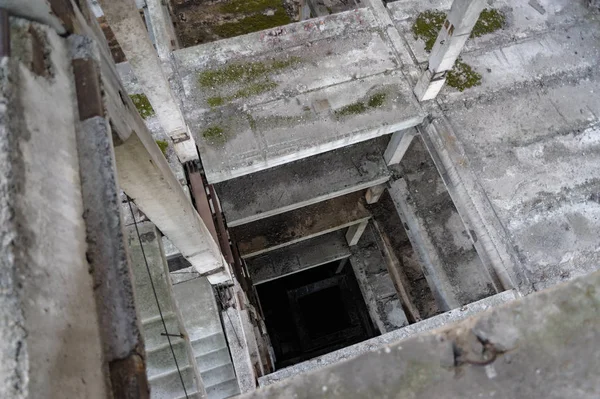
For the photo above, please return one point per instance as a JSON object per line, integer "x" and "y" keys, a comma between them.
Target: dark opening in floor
{"x": 314, "y": 312}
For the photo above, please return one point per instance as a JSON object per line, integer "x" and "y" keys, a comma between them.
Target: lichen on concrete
{"x": 428, "y": 25}
{"x": 142, "y": 104}
{"x": 462, "y": 76}
{"x": 216, "y": 101}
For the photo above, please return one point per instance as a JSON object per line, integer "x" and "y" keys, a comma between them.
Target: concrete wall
{"x": 51, "y": 341}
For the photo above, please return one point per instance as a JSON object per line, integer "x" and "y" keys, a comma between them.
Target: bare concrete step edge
{"x": 393, "y": 336}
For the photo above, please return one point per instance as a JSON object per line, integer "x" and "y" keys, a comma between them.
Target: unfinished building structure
{"x": 204, "y": 199}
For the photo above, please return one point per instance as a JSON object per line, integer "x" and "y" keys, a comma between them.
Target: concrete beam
{"x": 298, "y": 257}
{"x": 398, "y": 146}
{"x": 304, "y": 182}
{"x": 448, "y": 45}
{"x": 354, "y": 233}
{"x": 378, "y": 343}
{"x": 374, "y": 193}
{"x": 125, "y": 22}
{"x": 300, "y": 224}
{"x": 145, "y": 176}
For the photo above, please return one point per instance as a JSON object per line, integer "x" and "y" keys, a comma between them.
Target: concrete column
{"x": 125, "y": 22}
{"x": 374, "y": 193}
{"x": 450, "y": 42}
{"x": 355, "y": 232}
{"x": 398, "y": 146}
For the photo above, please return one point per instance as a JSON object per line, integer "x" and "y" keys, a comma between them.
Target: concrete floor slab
{"x": 304, "y": 182}
{"x": 523, "y": 21}
{"x": 313, "y": 69}
{"x": 298, "y": 257}
{"x": 300, "y": 224}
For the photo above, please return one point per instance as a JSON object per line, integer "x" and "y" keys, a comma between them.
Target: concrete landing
{"x": 377, "y": 343}
{"x": 298, "y": 257}
{"x": 272, "y": 97}
{"x": 304, "y": 182}
{"x": 301, "y": 224}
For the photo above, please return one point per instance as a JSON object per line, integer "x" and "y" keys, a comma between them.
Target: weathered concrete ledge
{"x": 298, "y": 257}
{"x": 378, "y": 343}
{"x": 304, "y": 182}
{"x": 300, "y": 224}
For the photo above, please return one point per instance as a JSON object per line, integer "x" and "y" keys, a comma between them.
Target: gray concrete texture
{"x": 303, "y": 182}
{"x": 51, "y": 339}
{"x": 325, "y": 64}
{"x": 377, "y": 288}
{"x": 300, "y": 224}
{"x": 378, "y": 344}
{"x": 298, "y": 257}
{"x": 522, "y": 148}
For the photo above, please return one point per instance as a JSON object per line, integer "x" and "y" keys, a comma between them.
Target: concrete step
{"x": 215, "y": 358}
{"x": 218, "y": 375}
{"x": 160, "y": 359}
{"x": 223, "y": 390}
{"x": 153, "y": 328}
{"x": 168, "y": 385}
{"x": 208, "y": 343}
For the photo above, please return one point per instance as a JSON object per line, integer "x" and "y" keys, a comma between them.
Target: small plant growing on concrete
{"x": 215, "y": 134}
{"x": 142, "y": 105}
{"x": 375, "y": 101}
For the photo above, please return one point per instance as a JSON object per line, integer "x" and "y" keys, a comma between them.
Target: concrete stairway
{"x": 196, "y": 301}
{"x": 163, "y": 376}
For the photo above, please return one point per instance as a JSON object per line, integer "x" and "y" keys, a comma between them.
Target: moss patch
{"x": 215, "y": 101}
{"x": 243, "y": 72}
{"x": 462, "y": 76}
{"x": 253, "y": 75}
{"x": 428, "y": 25}
{"x": 375, "y": 101}
{"x": 214, "y": 134}
{"x": 163, "y": 145}
{"x": 254, "y": 17}
{"x": 142, "y": 105}
{"x": 489, "y": 21}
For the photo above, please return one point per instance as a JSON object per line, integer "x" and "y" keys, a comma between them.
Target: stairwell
{"x": 196, "y": 301}
{"x": 170, "y": 366}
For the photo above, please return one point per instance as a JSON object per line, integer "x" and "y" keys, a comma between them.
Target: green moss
{"x": 329, "y": 10}
{"x": 489, "y": 21}
{"x": 462, "y": 76}
{"x": 243, "y": 72}
{"x": 215, "y": 101}
{"x": 142, "y": 105}
{"x": 163, "y": 145}
{"x": 254, "y": 89}
{"x": 377, "y": 100}
{"x": 253, "y": 23}
{"x": 215, "y": 134}
{"x": 352, "y": 109}
{"x": 428, "y": 25}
